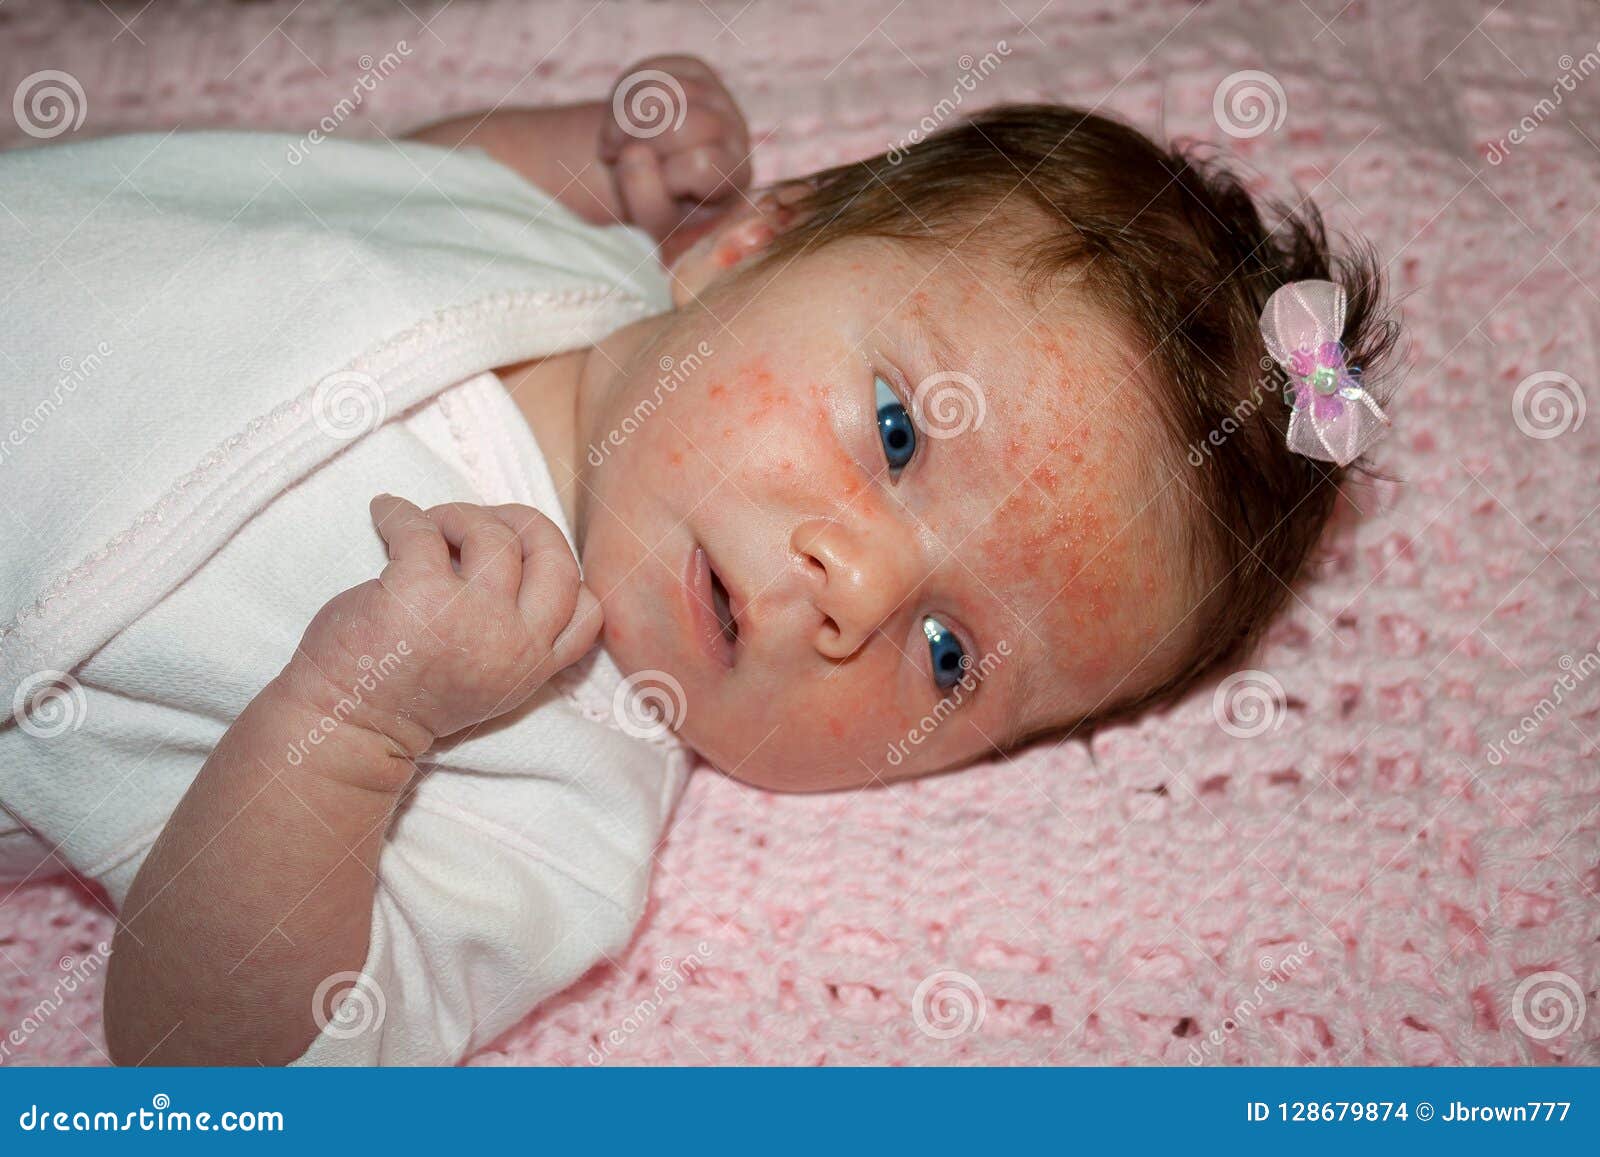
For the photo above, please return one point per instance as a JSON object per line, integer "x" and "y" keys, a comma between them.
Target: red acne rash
{"x": 755, "y": 382}
{"x": 1055, "y": 540}
{"x": 1068, "y": 446}
{"x": 835, "y": 727}
{"x": 717, "y": 390}
{"x": 1049, "y": 347}
{"x": 838, "y": 475}
{"x": 676, "y": 458}
{"x": 755, "y": 375}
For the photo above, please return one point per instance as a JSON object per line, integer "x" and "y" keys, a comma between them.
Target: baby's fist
{"x": 677, "y": 144}
{"x": 438, "y": 646}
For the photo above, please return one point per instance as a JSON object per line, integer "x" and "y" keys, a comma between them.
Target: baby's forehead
{"x": 1061, "y": 500}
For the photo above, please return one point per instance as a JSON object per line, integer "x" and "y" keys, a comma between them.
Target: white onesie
{"x": 523, "y": 856}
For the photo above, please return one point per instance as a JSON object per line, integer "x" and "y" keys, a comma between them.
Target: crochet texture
{"x": 1358, "y": 883}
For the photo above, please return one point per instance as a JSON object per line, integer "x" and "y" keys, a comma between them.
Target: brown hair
{"x": 1172, "y": 242}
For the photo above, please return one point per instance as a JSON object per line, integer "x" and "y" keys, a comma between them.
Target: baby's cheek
{"x": 853, "y": 715}
{"x": 774, "y": 436}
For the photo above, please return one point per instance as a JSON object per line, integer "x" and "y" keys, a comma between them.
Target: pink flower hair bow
{"x": 1333, "y": 418}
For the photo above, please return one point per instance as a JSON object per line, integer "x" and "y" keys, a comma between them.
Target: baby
{"x": 932, "y": 454}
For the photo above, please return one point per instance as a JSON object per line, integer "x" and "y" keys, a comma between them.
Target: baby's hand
{"x": 431, "y": 647}
{"x": 676, "y": 143}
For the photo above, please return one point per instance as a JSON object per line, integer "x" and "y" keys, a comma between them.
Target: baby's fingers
{"x": 411, "y": 536}
{"x": 671, "y": 111}
{"x": 549, "y": 570}
{"x": 708, "y": 173}
{"x": 643, "y": 191}
{"x": 579, "y": 634}
{"x": 491, "y": 555}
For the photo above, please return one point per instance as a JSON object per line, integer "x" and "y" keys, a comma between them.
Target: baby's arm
{"x": 261, "y": 885}
{"x": 667, "y": 149}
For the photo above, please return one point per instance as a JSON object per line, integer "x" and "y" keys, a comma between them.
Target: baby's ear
{"x": 733, "y": 239}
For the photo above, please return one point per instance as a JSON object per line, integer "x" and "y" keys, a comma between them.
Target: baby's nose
{"x": 857, "y": 577}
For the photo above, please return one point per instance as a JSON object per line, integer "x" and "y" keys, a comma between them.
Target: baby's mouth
{"x": 719, "y": 602}
{"x": 711, "y": 609}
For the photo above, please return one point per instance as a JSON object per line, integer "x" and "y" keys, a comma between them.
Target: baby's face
{"x": 857, "y": 569}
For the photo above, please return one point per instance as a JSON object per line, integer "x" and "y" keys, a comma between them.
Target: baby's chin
{"x": 789, "y": 767}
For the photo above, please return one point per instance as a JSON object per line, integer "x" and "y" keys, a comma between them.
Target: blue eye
{"x": 895, "y": 431}
{"x": 946, "y": 655}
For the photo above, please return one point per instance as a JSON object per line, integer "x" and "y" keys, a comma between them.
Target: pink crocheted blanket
{"x": 1379, "y": 845}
